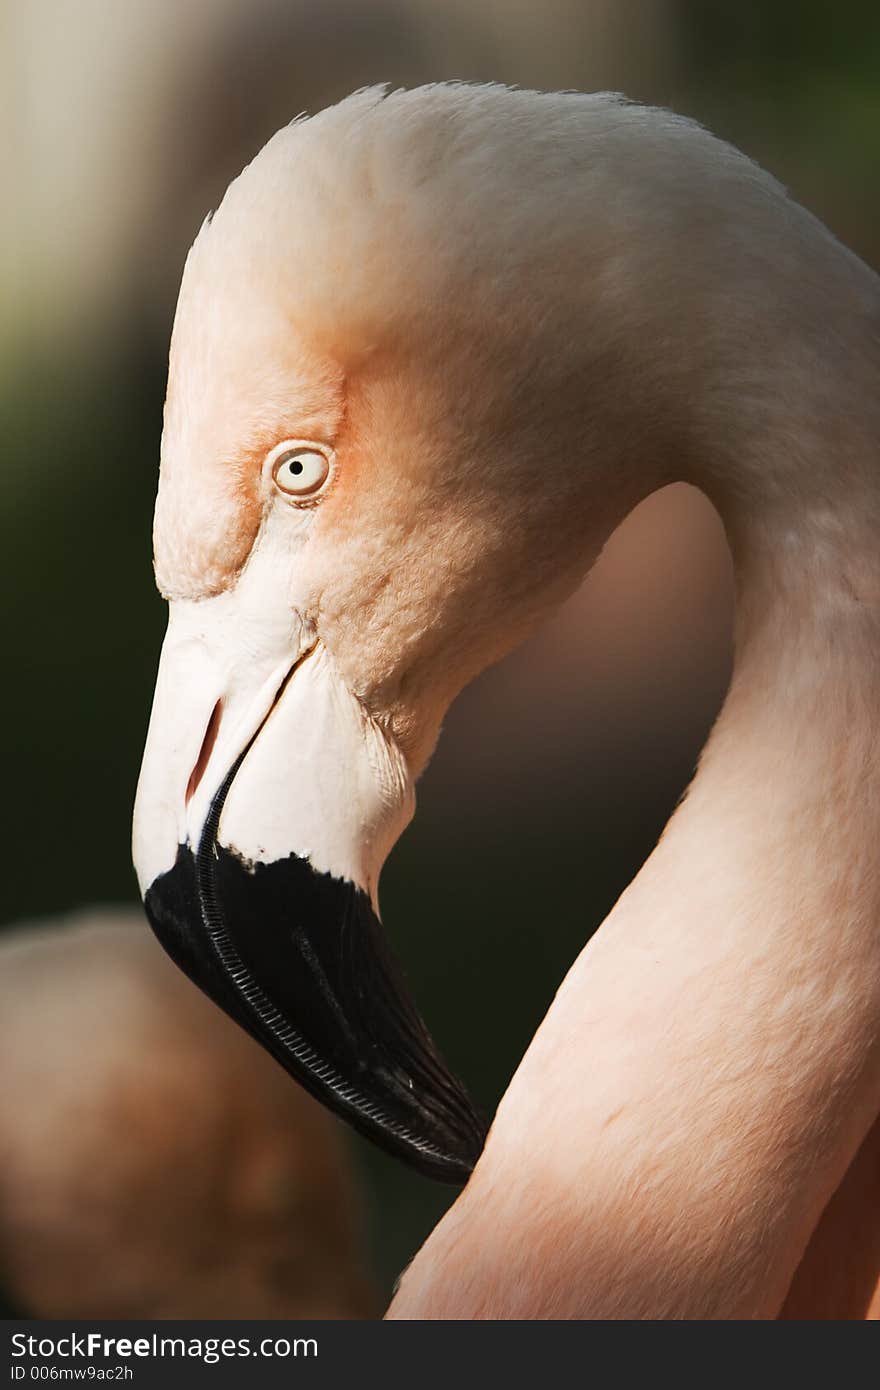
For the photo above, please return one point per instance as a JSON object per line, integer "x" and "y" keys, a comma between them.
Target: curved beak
{"x": 267, "y": 802}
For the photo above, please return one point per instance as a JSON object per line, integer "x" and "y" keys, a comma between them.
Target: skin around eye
{"x": 300, "y": 470}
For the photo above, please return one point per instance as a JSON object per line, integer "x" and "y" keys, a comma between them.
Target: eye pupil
{"x": 295, "y": 466}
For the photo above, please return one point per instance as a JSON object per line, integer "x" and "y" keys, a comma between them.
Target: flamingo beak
{"x": 267, "y": 802}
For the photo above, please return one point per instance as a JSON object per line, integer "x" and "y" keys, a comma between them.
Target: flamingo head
{"x": 405, "y": 391}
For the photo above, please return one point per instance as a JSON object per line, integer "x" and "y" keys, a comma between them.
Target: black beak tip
{"x": 299, "y": 959}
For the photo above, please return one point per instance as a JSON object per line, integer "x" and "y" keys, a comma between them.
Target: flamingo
{"x": 156, "y": 1163}
{"x": 431, "y": 349}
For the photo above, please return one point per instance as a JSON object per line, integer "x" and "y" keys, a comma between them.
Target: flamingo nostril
{"x": 207, "y": 749}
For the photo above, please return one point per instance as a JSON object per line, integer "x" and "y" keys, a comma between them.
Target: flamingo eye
{"x": 300, "y": 470}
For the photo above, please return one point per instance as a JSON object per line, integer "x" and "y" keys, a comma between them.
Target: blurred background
{"x": 122, "y": 125}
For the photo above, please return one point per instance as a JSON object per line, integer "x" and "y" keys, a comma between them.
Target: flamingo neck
{"x": 711, "y": 1063}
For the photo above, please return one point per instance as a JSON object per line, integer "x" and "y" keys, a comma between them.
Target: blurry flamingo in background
{"x": 156, "y": 1164}
{"x": 429, "y": 352}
